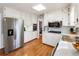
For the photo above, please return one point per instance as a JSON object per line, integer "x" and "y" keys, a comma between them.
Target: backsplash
{"x": 63, "y": 29}
{"x": 66, "y": 29}
{"x": 54, "y": 29}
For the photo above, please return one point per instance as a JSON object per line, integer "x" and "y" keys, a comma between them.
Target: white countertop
{"x": 66, "y": 49}
{"x": 70, "y": 34}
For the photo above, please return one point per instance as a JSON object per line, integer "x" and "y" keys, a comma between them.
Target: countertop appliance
{"x": 72, "y": 31}
{"x": 77, "y": 30}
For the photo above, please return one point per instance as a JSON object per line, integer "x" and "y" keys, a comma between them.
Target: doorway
{"x": 40, "y": 28}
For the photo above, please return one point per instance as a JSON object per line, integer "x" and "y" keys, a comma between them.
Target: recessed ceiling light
{"x": 39, "y": 7}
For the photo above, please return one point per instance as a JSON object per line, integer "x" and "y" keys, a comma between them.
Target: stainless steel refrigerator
{"x": 13, "y": 34}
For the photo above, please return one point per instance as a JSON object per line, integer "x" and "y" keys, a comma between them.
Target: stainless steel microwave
{"x": 55, "y": 24}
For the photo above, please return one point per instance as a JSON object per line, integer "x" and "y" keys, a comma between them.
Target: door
{"x": 40, "y": 27}
{"x": 19, "y": 33}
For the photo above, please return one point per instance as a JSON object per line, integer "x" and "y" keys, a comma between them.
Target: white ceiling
{"x": 27, "y": 7}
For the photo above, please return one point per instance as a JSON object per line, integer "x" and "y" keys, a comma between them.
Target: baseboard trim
{"x": 30, "y": 41}
{"x": 48, "y": 45}
{"x": 17, "y": 49}
{"x": 1, "y": 51}
{"x": 12, "y": 50}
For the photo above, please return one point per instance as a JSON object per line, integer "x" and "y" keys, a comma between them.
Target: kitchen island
{"x": 66, "y": 49}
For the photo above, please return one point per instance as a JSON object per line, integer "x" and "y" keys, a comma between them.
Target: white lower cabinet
{"x": 51, "y": 38}
{"x": 34, "y": 34}
{"x": 29, "y": 35}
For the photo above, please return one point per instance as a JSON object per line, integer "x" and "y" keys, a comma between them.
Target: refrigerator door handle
{"x": 15, "y": 35}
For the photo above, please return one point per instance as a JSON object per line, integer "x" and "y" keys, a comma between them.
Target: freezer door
{"x": 19, "y": 33}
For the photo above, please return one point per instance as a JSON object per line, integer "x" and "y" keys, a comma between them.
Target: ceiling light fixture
{"x": 39, "y": 7}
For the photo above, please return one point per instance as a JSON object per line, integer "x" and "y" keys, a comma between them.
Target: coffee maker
{"x": 72, "y": 30}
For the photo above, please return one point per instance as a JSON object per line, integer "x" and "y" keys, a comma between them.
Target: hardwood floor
{"x": 1, "y": 52}
{"x": 33, "y": 48}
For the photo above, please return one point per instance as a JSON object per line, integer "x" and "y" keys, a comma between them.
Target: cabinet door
{"x": 34, "y": 34}
{"x": 27, "y": 36}
{"x": 65, "y": 19}
{"x": 55, "y": 38}
{"x": 72, "y": 16}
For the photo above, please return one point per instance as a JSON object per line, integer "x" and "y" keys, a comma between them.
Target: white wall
{"x": 28, "y": 18}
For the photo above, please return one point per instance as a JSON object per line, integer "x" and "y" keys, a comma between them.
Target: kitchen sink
{"x": 67, "y": 38}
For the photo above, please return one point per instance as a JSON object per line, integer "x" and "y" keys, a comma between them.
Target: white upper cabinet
{"x": 70, "y": 16}
{"x": 55, "y": 15}
{"x": 77, "y": 15}
{"x": 9, "y": 12}
{"x": 65, "y": 17}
